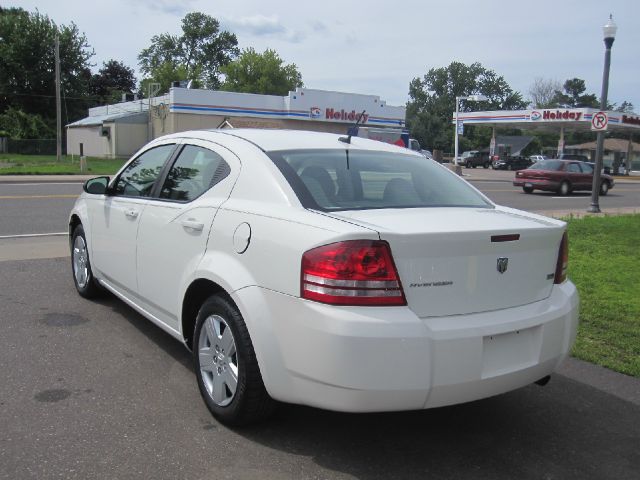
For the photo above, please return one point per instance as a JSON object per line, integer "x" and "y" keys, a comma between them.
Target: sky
{"x": 377, "y": 48}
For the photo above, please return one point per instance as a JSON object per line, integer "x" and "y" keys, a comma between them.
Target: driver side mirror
{"x": 97, "y": 186}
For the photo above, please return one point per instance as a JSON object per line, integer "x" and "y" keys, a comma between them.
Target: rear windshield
{"x": 547, "y": 165}
{"x": 332, "y": 180}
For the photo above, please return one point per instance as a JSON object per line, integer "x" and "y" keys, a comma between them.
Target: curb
{"x": 614, "y": 383}
{"x": 564, "y": 214}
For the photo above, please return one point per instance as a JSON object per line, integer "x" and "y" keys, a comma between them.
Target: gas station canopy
{"x": 552, "y": 120}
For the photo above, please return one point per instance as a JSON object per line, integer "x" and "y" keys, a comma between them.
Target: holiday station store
{"x": 120, "y": 130}
{"x": 561, "y": 120}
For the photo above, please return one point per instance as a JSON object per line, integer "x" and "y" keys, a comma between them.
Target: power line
{"x": 88, "y": 97}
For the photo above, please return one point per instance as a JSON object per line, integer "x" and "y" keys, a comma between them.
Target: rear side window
{"x": 332, "y": 180}
{"x": 586, "y": 168}
{"x": 194, "y": 172}
{"x": 547, "y": 165}
{"x": 574, "y": 168}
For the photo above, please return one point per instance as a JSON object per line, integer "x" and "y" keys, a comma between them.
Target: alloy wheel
{"x": 80, "y": 262}
{"x": 218, "y": 360}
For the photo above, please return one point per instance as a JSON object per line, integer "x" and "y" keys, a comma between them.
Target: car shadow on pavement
{"x": 565, "y": 430}
{"x": 162, "y": 339}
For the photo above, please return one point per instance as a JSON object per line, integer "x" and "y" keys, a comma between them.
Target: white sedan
{"x": 336, "y": 272}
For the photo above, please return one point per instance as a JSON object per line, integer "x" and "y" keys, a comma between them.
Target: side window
{"x": 194, "y": 172}
{"x": 574, "y": 168}
{"x": 138, "y": 179}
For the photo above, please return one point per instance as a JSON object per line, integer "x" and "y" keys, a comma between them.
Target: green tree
{"x": 17, "y": 124}
{"x": 27, "y": 65}
{"x": 432, "y": 102}
{"x": 624, "y": 107}
{"x": 200, "y": 53}
{"x": 264, "y": 73}
{"x": 573, "y": 95}
{"x": 111, "y": 81}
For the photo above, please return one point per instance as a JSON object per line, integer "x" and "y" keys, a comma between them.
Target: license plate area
{"x": 510, "y": 352}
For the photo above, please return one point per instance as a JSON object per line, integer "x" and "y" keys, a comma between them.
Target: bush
{"x": 20, "y": 125}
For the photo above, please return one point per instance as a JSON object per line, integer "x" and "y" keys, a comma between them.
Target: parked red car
{"x": 562, "y": 176}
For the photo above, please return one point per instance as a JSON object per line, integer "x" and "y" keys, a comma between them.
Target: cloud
{"x": 169, "y": 7}
{"x": 318, "y": 26}
{"x": 263, "y": 26}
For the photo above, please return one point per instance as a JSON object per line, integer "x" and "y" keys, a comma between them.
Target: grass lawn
{"x": 604, "y": 263}
{"x": 14, "y": 164}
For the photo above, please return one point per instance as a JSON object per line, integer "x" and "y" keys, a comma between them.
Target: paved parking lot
{"x": 93, "y": 390}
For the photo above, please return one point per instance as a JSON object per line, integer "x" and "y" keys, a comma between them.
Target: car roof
{"x": 274, "y": 140}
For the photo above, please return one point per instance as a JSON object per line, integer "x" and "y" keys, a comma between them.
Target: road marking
{"x": 26, "y": 197}
{"x": 32, "y": 235}
{"x": 19, "y": 184}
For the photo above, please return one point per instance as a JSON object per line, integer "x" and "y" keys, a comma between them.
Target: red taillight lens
{"x": 563, "y": 260}
{"x": 353, "y": 272}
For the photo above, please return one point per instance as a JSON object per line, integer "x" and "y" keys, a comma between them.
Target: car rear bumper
{"x": 363, "y": 359}
{"x": 547, "y": 185}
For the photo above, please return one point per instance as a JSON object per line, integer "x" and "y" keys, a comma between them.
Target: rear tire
{"x": 527, "y": 189}
{"x": 486, "y": 165}
{"x": 83, "y": 277}
{"x": 604, "y": 188}
{"x": 226, "y": 365}
{"x": 564, "y": 188}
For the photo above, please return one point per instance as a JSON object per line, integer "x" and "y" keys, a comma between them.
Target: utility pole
{"x": 58, "y": 104}
{"x": 152, "y": 90}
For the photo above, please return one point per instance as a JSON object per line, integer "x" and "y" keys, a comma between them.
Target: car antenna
{"x": 352, "y": 129}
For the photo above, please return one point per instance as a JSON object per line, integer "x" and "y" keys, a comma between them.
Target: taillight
{"x": 563, "y": 260}
{"x": 353, "y": 272}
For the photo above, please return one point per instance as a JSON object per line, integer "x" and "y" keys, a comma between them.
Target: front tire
{"x": 604, "y": 188}
{"x": 527, "y": 189}
{"x": 486, "y": 165}
{"x": 83, "y": 277}
{"x": 226, "y": 365}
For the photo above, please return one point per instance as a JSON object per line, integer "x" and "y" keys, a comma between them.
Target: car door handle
{"x": 131, "y": 213}
{"x": 192, "y": 224}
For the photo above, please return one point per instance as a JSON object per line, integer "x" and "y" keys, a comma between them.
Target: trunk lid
{"x": 449, "y": 264}
{"x": 534, "y": 174}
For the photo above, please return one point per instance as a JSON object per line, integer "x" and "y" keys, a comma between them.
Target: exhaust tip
{"x": 543, "y": 381}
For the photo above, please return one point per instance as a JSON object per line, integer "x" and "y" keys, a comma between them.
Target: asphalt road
{"x": 503, "y": 193}
{"x": 37, "y": 208}
{"x": 30, "y": 208}
{"x": 93, "y": 390}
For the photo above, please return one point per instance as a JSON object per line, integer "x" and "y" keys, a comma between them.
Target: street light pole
{"x": 455, "y": 153}
{"x": 609, "y": 31}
